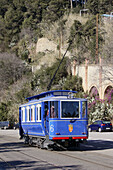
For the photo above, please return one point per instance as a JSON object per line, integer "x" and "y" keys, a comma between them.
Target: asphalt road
{"x": 96, "y": 154}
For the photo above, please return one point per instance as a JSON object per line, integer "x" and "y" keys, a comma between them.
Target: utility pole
{"x": 85, "y": 4}
{"x": 100, "y": 77}
{"x": 96, "y": 55}
{"x": 71, "y": 4}
{"x": 82, "y": 3}
{"x": 60, "y": 45}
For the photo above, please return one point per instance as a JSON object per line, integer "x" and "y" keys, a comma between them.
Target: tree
{"x": 83, "y": 40}
{"x": 106, "y": 6}
{"x": 73, "y": 83}
{"x": 61, "y": 33}
{"x": 55, "y": 10}
{"x": 11, "y": 69}
{"x": 93, "y": 6}
{"x": 3, "y": 111}
{"x": 22, "y": 95}
{"x": 13, "y": 21}
{"x": 32, "y": 16}
{"x": 3, "y": 7}
{"x": 107, "y": 51}
{"x": 90, "y": 37}
{"x": 100, "y": 6}
{"x": 43, "y": 77}
{"x": 2, "y": 34}
{"x": 98, "y": 109}
{"x": 71, "y": 3}
{"x": 76, "y": 39}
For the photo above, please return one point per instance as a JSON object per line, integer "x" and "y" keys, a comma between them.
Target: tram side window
{"x": 23, "y": 114}
{"x": 38, "y": 113}
{"x": 32, "y": 113}
{"x": 54, "y": 109}
{"x": 46, "y": 109}
{"x": 28, "y": 114}
{"x": 83, "y": 109}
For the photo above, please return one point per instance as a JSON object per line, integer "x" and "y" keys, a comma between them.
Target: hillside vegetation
{"x": 34, "y": 35}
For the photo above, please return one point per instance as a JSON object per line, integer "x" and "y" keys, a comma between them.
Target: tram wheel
{"x": 30, "y": 141}
{"x": 40, "y": 143}
{"x": 26, "y": 139}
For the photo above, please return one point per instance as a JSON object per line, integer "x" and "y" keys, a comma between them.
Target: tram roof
{"x": 51, "y": 94}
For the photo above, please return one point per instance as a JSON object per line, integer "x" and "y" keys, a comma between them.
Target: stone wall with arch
{"x": 97, "y": 75}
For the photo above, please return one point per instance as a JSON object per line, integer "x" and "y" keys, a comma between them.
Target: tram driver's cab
{"x": 50, "y": 112}
{"x": 65, "y": 117}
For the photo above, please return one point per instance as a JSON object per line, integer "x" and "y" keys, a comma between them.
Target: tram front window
{"x": 70, "y": 109}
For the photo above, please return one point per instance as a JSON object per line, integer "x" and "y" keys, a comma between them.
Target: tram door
{"x": 46, "y": 117}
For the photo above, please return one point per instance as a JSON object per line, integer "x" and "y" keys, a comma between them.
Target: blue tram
{"x": 54, "y": 118}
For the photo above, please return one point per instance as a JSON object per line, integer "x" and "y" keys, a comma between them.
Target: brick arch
{"x": 94, "y": 90}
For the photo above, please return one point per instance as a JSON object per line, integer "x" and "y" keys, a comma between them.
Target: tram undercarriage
{"x": 45, "y": 143}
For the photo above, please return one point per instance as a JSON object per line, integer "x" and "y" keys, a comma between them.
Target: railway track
{"x": 65, "y": 154}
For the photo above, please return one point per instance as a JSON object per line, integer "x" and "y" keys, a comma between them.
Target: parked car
{"x": 4, "y": 124}
{"x": 100, "y": 125}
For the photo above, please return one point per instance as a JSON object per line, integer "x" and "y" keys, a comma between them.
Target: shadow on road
{"x": 32, "y": 162}
{"x": 96, "y": 145}
{"x": 35, "y": 165}
{"x": 88, "y": 146}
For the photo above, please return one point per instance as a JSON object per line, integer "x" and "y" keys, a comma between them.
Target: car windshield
{"x": 70, "y": 109}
